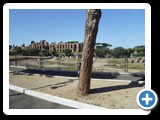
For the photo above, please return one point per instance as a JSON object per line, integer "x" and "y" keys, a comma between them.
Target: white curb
{"x": 55, "y": 99}
{"x": 16, "y": 88}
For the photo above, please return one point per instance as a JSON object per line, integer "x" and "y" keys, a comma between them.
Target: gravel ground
{"x": 104, "y": 93}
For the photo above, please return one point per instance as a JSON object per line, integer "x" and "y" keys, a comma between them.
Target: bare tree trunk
{"x": 91, "y": 29}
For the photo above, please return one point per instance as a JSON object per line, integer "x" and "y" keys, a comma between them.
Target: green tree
{"x": 32, "y": 52}
{"x": 105, "y": 45}
{"x": 100, "y": 53}
{"x": 72, "y": 42}
{"x": 32, "y": 42}
{"x": 139, "y": 48}
{"x": 68, "y": 52}
{"x": 25, "y": 53}
{"x": 118, "y": 52}
{"x": 140, "y": 51}
{"x": 54, "y": 53}
{"x": 10, "y": 46}
{"x": 44, "y": 52}
{"x": 18, "y": 50}
{"x": 102, "y": 49}
{"x": 12, "y": 52}
{"x": 40, "y": 53}
{"x": 102, "y": 45}
{"x": 23, "y": 45}
{"x": 129, "y": 51}
{"x": 98, "y": 44}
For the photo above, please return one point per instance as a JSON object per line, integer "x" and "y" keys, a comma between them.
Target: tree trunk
{"x": 91, "y": 29}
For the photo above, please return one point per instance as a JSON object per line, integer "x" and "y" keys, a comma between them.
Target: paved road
{"x": 23, "y": 101}
{"x": 16, "y": 69}
{"x": 100, "y": 75}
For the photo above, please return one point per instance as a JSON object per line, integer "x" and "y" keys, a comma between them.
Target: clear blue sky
{"x": 118, "y": 27}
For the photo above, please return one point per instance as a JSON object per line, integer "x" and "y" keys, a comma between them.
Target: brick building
{"x": 42, "y": 45}
{"x": 76, "y": 47}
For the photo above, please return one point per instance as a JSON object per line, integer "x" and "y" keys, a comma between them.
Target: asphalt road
{"x": 22, "y": 101}
{"x": 16, "y": 69}
{"x": 100, "y": 75}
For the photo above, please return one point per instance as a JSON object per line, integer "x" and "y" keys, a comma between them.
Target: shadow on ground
{"x": 15, "y": 94}
{"x": 97, "y": 75}
{"x": 55, "y": 86}
{"x": 49, "y": 73}
{"x": 138, "y": 74}
{"x": 132, "y": 84}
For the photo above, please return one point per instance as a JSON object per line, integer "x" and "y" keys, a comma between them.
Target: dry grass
{"x": 100, "y": 65}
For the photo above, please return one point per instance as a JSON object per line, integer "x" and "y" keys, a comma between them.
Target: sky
{"x": 118, "y": 27}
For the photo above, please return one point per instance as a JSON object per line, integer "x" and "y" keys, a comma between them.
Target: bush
{"x": 12, "y": 52}
{"x": 68, "y": 52}
{"x": 100, "y": 53}
{"x": 118, "y": 52}
{"x": 45, "y": 52}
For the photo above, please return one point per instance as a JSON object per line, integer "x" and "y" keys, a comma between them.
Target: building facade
{"x": 76, "y": 47}
{"x": 42, "y": 45}
{"x": 61, "y": 46}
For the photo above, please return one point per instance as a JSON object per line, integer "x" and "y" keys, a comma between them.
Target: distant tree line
{"x": 35, "y": 52}
{"x": 102, "y": 50}
{"x": 27, "y": 52}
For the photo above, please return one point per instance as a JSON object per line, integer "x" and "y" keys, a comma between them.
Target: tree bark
{"x": 91, "y": 29}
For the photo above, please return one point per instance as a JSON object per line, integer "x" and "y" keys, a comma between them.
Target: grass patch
{"x": 139, "y": 66}
{"x": 12, "y": 57}
{"x": 105, "y": 64}
{"x": 59, "y": 63}
{"x": 115, "y": 60}
{"x": 120, "y": 64}
{"x": 50, "y": 62}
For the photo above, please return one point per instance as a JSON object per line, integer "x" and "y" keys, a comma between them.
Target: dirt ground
{"x": 104, "y": 93}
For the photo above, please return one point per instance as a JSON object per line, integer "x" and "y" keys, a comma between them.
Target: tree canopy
{"x": 68, "y": 52}
{"x": 118, "y": 52}
{"x": 102, "y": 49}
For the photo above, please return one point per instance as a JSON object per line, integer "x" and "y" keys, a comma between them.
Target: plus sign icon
{"x": 147, "y": 99}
